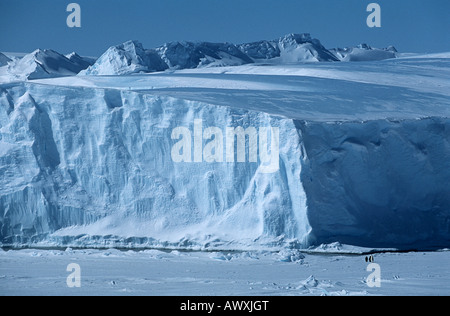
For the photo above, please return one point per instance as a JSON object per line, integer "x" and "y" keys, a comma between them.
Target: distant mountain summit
{"x": 292, "y": 48}
{"x": 186, "y": 55}
{"x": 129, "y": 57}
{"x": 364, "y": 52}
{"x": 81, "y": 62}
{"x": 44, "y": 64}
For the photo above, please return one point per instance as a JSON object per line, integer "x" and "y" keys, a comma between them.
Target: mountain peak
{"x": 4, "y": 60}
{"x": 299, "y": 38}
{"x": 131, "y": 45}
{"x": 126, "y": 58}
{"x": 44, "y": 63}
{"x": 364, "y": 52}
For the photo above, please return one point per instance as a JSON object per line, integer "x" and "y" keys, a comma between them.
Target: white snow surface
{"x": 363, "y": 158}
{"x": 196, "y": 274}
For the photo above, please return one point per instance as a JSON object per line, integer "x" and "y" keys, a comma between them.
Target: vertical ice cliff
{"x": 98, "y": 162}
{"x": 381, "y": 183}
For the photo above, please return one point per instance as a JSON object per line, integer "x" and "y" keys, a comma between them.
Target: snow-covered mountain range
{"x": 131, "y": 57}
{"x": 291, "y": 48}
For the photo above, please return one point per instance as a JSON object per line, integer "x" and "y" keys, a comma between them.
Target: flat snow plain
{"x": 160, "y": 273}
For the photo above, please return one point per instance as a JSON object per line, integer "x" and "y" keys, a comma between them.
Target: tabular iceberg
{"x": 363, "y": 160}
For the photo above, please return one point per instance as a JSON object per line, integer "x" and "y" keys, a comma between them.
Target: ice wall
{"x": 98, "y": 162}
{"x": 378, "y": 183}
{"x": 93, "y": 167}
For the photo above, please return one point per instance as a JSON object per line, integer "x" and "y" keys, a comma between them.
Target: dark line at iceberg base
{"x": 86, "y": 242}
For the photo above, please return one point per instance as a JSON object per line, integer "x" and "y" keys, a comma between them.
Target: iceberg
{"x": 86, "y": 161}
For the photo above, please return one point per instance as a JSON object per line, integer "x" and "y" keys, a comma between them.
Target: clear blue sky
{"x": 410, "y": 25}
